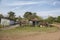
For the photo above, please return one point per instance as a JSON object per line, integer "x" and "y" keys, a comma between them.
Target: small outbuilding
{"x": 6, "y": 21}
{"x": 34, "y": 21}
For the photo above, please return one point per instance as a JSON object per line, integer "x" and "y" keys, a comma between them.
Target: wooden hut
{"x": 35, "y": 21}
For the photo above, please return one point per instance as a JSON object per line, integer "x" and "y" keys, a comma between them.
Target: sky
{"x": 43, "y": 8}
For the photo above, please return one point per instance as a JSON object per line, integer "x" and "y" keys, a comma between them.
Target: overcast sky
{"x": 43, "y": 8}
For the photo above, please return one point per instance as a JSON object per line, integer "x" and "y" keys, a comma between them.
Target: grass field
{"x": 21, "y": 32}
{"x": 31, "y": 29}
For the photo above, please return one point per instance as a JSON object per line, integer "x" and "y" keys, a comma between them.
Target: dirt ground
{"x": 34, "y": 36}
{"x": 45, "y": 36}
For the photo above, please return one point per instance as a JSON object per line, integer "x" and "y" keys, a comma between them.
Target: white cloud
{"x": 54, "y": 3}
{"x": 16, "y": 2}
{"x": 20, "y": 3}
{"x": 53, "y": 13}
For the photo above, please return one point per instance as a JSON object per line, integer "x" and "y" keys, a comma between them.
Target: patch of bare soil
{"x": 45, "y": 36}
{"x": 33, "y": 36}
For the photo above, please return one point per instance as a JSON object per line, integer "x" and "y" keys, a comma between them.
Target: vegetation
{"x": 50, "y": 19}
{"x": 11, "y": 15}
{"x": 58, "y": 19}
{"x": 30, "y": 15}
{"x": 1, "y": 26}
{"x": 1, "y": 15}
{"x": 31, "y": 29}
{"x": 26, "y": 31}
{"x": 19, "y": 18}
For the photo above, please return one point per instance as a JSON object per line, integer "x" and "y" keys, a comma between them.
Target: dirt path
{"x": 57, "y": 25}
{"x": 36, "y": 36}
{"x": 45, "y": 36}
{"x": 10, "y": 27}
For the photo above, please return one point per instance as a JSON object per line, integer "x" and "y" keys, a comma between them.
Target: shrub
{"x": 1, "y": 26}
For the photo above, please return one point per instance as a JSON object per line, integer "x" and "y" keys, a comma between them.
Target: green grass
{"x": 31, "y": 29}
{"x": 24, "y": 31}
{"x": 1, "y": 26}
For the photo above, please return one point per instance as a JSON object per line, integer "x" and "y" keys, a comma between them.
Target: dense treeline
{"x": 30, "y": 15}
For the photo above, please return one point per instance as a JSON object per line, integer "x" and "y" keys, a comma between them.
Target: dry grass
{"x": 21, "y": 32}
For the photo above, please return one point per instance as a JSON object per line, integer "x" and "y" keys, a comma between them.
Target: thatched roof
{"x": 34, "y": 19}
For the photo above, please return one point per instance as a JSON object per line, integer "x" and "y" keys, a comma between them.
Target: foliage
{"x": 19, "y": 18}
{"x": 30, "y": 15}
{"x": 1, "y": 26}
{"x": 1, "y": 15}
{"x": 58, "y": 19}
{"x": 11, "y": 15}
{"x": 50, "y": 19}
{"x": 36, "y": 16}
{"x": 31, "y": 29}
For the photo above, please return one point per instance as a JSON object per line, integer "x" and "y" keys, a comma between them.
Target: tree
{"x": 28, "y": 15}
{"x": 36, "y": 16}
{"x": 1, "y": 15}
{"x": 11, "y": 15}
{"x": 58, "y": 19}
{"x": 50, "y": 19}
{"x": 19, "y": 18}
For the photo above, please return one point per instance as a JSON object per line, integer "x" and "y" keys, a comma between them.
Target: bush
{"x": 1, "y": 26}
